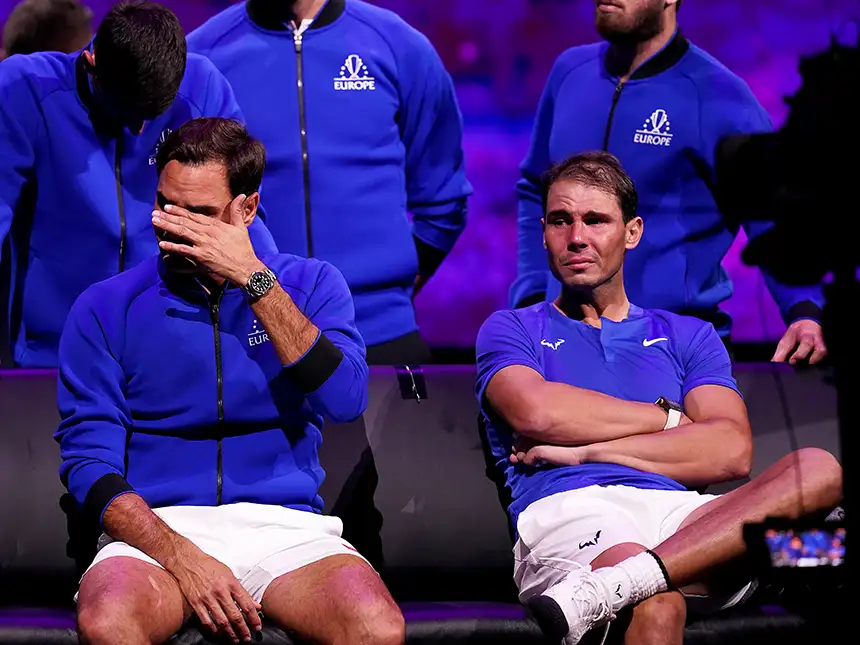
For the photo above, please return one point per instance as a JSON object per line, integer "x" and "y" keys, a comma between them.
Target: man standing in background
{"x": 661, "y": 105}
{"x": 33, "y": 26}
{"x": 47, "y": 25}
{"x": 362, "y": 128}
{"x": 79, "y": 133}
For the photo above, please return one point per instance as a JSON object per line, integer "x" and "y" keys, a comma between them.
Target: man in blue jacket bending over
{"x": 78, "y": 138}
{"x": 362, "y": 127}
{"x": 661, "y": 105}
{"x": 192, "y": 390}
{"x": 579, "y": 399}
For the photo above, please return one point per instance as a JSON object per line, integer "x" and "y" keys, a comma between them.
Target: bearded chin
{"x": 643, "y": 28}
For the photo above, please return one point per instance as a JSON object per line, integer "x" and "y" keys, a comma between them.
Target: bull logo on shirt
{"x": 553, "y": 346}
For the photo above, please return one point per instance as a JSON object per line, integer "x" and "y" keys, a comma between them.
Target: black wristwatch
{"x": 673, "y": 412}
{"x": 260, "y": 283}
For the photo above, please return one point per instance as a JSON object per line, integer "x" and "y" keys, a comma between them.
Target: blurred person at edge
{"x": 661, "y": 105}
{"x": 79, "y": 134}
{"x": 47, "y": 25}
{"x": 367, "y": 130}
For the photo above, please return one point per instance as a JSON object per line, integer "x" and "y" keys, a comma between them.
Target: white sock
{"x": 633, "y": 580}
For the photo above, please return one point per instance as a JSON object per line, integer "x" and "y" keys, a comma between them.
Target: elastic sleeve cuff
{"x": 528, "y": 301}
{"x": 106, "y": 489}
{"x": 806, "y": 310}
{"x": 429, "y": 257}
{"x": 316, "y": 366}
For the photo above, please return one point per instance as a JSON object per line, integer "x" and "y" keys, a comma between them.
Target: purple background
{"x": 500, "y": 51}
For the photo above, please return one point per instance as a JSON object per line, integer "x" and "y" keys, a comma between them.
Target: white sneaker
{"x": 573, "y": 607}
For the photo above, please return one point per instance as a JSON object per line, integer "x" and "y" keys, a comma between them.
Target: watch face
{"x": 260, "y": 283}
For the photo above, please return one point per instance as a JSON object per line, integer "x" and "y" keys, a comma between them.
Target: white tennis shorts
{"x": 257, "y": 542}
{"x": 562, "y": 532}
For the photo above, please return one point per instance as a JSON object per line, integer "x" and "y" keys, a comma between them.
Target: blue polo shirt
{"x": 649, "y": 354}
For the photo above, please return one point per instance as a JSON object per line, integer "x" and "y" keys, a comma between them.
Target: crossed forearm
{"x": 696, "y": 454}
{"x": 575, "y": 416}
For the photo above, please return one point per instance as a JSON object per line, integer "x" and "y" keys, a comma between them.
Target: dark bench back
{"x": 443, "y": 534}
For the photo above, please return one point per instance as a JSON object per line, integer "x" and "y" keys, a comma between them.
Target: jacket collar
{"x": 188, "y": 287}
{"x": 274, "y": 15}
{"x": 667, "y": 57}
{"x": 98, "y": 116}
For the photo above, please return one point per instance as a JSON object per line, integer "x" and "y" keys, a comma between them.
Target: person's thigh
{"x": 337, "y": 600}
{"x": 124, "y": 599}
{"x": 567, "y": 531}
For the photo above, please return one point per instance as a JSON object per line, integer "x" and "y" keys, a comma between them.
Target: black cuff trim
{"x": 528, "y": 301}
{"x": 805, "y": 309}
{"x": 102, "y": 493}
{"x": 662, "y": 568}
{"x": 314, "y": 368}
{"x": 429, "y": 257}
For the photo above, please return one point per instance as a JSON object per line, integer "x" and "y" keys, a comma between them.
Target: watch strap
{"x": 673, "y": 420}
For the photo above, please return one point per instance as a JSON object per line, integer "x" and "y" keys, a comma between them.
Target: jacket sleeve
{"x": 95, "y": 418}
{"x": 333, "y": 373}
{"x": 532, "y": 267}
{"x": 431, "y": 129}
{"x": 20, "y": 124}
{"x": 727, "y": 110}
{"x": 221, "y": 102}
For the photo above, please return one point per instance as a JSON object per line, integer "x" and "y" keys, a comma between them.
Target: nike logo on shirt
{"x": 648, "y": 343}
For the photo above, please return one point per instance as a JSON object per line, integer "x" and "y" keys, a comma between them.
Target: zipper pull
{"x": 297, "y": 39}
{"x": 618, "y": 88}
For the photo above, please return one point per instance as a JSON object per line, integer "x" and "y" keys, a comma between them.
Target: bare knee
{"x": 378, "y": 622}
{"x": 109, "y": 625}
{"x": 659, "y": 619}
{"x": 822, "y": 472}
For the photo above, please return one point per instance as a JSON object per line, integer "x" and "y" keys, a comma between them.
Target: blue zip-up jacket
{"x": 77, "y": 196}
{"x": 664, "y": 124}
{"x": 371, "y": 134}
{"x": 180, "y": 396}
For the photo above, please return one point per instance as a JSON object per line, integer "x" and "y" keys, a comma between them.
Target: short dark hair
{"x": 599, "y": 170}
{"x": 214, "y": 139}
{"x": 45, "y": 25}
{"x": 140, "y": 56}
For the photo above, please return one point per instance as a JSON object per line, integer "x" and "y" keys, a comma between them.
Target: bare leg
{"x": 658, "y": 620}
{"x": 339, "y": 600}
{"x": 712, "y": 536}
{"x": 125, "y": 601}
{"x": 709, "y": 540}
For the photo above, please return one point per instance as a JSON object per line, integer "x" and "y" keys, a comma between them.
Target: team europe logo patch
{"x": 161, "y": 139}
{"x": 657, "y": 131}
{"x": 354, "y": 76}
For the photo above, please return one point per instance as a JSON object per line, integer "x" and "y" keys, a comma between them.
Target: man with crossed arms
{"x": 577, "y": 395}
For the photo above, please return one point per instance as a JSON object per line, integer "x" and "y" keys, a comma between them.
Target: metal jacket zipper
{"x": 117, "y": 167}
{"x": 306, "y": 172}
{"x": 214, "y": 311}
{"x": 615, "y": 97}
